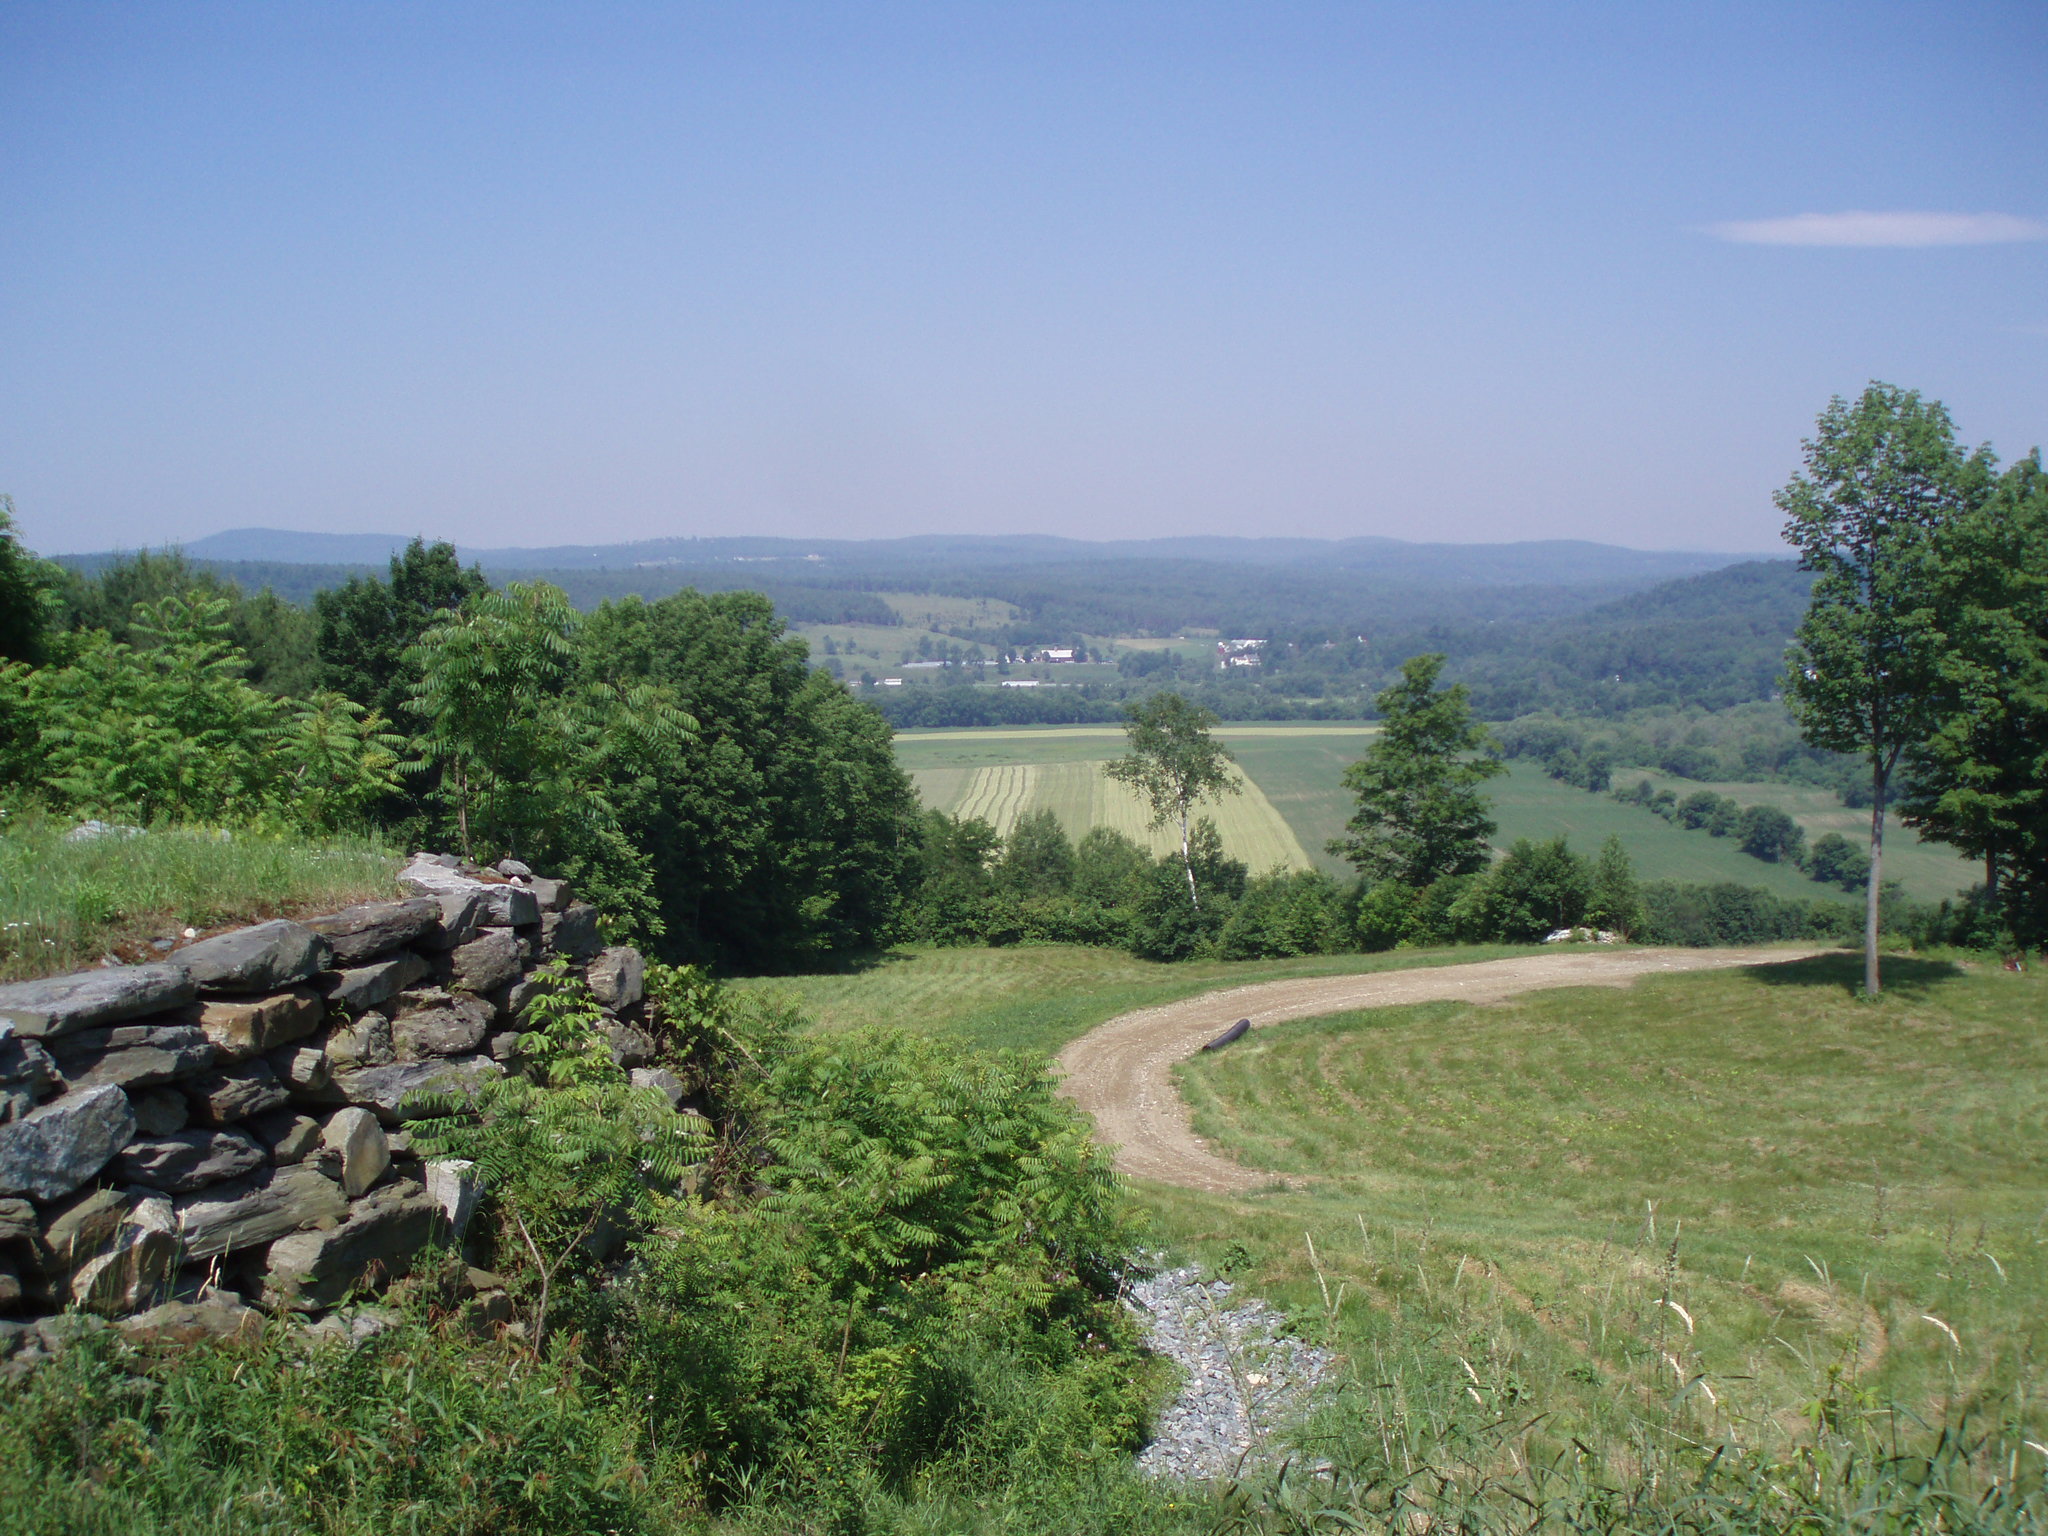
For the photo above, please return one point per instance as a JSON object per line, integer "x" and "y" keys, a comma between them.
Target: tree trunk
{"x": 1187, "y": 857}
{"x": 1879, "y": 775}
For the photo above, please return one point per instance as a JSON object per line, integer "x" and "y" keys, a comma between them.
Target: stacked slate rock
{"x": 227, "y": 1126}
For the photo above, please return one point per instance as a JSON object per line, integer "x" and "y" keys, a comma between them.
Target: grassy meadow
{"x": 1926, "y": 871}
{"x": 65, "y": 904}
{"x": 1727, "y": 1206}
{"x": 1038, "y": 997}
{"x": 1612, "y": 1228}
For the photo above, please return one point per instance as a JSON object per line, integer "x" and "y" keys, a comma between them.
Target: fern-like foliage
{"x": 900, "y": 1158}
{"x": 569, "y": 1142}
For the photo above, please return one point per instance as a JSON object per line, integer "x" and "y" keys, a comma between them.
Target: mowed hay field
{"x": 1064, "y": 774}
{"x": 1726, "y": 1203}
{"x": 1288, "y": 777}
{"x": 1298, "y": 771}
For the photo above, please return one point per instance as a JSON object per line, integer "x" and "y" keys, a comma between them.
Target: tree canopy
{"x": 1421, "y": 814}
{"x": 1882, "y": 476}
{"x": 1979, "y": 780}
{"x": 1175, "y": 764}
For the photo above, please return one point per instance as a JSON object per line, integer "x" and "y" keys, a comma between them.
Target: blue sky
{"x": 525, "y": 275}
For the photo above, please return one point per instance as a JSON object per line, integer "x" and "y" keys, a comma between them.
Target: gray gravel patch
{"x": 1246, "y": 1379}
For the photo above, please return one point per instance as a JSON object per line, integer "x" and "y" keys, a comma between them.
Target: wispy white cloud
{"x": 1881, "y": 229}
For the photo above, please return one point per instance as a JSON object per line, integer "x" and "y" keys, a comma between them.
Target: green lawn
{"x": 1807, "y": 1179}
{"x": 1038, "y": 997}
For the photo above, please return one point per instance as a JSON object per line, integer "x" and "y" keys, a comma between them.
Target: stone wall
{"x": 228, "y": 1126}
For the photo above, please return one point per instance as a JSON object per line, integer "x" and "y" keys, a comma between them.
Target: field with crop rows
{"x": 1297, "y": 771}
{"x": 1081, "y": 795}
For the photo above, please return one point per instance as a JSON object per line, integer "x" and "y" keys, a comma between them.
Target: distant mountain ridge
{"x": 831, "y": 561}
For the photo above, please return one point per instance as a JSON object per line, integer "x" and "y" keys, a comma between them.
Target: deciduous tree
{"x": 1175, "y": 764}
{"x": 1979, "y": 782}
{"x": 1882, "y": 475}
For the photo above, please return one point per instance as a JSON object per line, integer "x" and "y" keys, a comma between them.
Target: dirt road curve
{"x": 1120, "y": 1072}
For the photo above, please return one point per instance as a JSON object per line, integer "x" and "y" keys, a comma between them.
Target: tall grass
{"x": 65, "y": 904}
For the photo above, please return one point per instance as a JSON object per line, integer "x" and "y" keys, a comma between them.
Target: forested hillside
{"x": 1556, "y": 626}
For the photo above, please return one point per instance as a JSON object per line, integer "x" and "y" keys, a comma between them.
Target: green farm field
{"x": 1926, "y": 871}
{"x": 935, "y": 610}
{"x": 1298, "y": 770}
{"x": 1527, "y": 802}
{"x": 1000, "y": 774}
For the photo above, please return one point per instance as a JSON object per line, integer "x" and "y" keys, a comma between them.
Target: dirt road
{"x": 1120, "y": 1072}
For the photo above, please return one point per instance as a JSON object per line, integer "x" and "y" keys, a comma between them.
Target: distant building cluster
{"x": 1238, "y": 653}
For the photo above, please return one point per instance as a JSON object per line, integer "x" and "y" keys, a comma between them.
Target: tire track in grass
{"x": 1000, "y": 795}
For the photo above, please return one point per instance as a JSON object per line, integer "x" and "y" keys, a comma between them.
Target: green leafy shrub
{"x": 567, "y": 1146}
{"x": 1288, "y": 912}
{"x": 932, "y": 1251}
{"x": 164, "y": 727}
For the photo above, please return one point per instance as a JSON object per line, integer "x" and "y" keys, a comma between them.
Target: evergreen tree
{"x": 1616, "y": 899}
{"x": 364, "y": 629}
{"x": 1421, "y": 815}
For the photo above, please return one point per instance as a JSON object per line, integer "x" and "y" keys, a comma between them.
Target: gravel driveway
{"x": 1120, "y": 1072}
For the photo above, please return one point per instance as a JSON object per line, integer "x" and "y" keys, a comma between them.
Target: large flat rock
{"x": 185, "y": 1161}
{"x": 258, "y": 1209}
{"x": 361, "y": 933}
{"x": 366, "y": 986}
{"x": 131, "y": 1055}
{"x": 485, "y": 963}
{"x": 384, "y": 1090}
{"x": 383, "y": 1234}
{"x": 501, "y": 904}
{"x": 241, "y": 1027}
{"x": 53, "y": 1149}
{"x": 266, "y": 958}
{"x": 57, "y": 1005}
{"x": 431, "y": 1022}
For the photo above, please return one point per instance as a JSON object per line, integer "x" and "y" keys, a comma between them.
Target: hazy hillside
{"x": 1547, "y": 625}
{"x": 830, "y": 561}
